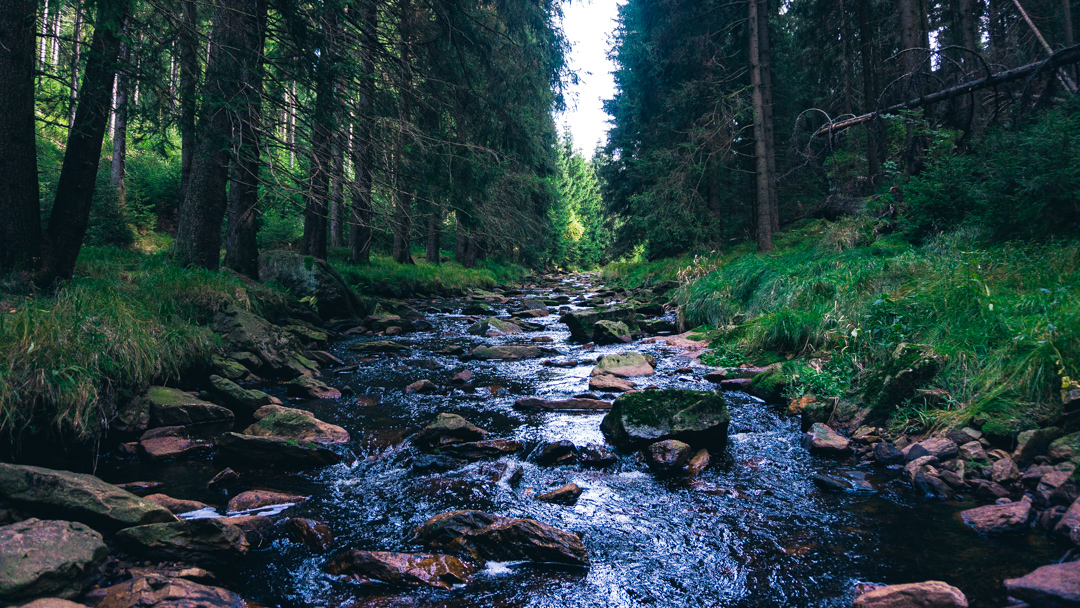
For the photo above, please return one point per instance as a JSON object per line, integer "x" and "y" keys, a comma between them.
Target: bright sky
{"x": 588, "y": 24}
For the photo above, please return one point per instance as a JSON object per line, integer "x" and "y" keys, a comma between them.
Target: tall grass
{"x": 127, "y": 320}
{"x": 1006, "y": 317}
{"x": 385, "y": 277}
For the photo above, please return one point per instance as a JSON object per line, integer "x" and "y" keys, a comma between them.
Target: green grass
{"x": 1006, "y": 317}
{"x": 385, "y": 277}
{"x": 127, "y": 320}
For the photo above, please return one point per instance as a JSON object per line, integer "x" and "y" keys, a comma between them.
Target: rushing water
{"x": 752, "y": 530}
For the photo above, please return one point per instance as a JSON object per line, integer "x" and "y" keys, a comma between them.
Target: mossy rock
{"x": 238, "y": 397}
{"x": 267, "y": 451}
{"x": 305, "y": 276}
{"x": 307, "y": 335}
{"x": 625, "y": 365}
{"x": 769, "y": 385}
{"x": 48, "y": 559}
{"x": 227, "y": 368}
{"x": 581, "y": 322}
{"x": 174, "y": 407}
{"x": 910, "y": 367}
{"x": 610, "y": 332}
{"x": 698, "y": 418}
{"x": 290, "y": 423}
{"x": 495, "y": 326}
{"x": 507, "y": 352}
{"x": 204, "y": 542}
{"x": 1065, "y": 448}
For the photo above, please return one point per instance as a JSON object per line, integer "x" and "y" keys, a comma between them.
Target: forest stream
{"x": 750, "y": 530}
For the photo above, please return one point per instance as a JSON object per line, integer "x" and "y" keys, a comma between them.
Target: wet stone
{"x": 314, "y": 535}
{"x": 158, "y": 591}
{"x": 887, "y": 454}
{"x": 482, "y": 450}
{"x": 823, "y": 440}
{"x": 255, "y": 499}
{"x": 566, "y": 495}
{"x": 596, "y": 456}
{"x": 1053, "y": 585}
{"x": 667, "y": 457}
{"x": 176, "y": 505}
{"x": 403, "y": 569}
{"x": 929, "y": 594}
{"x": 557, "y": 453}
{"x": 999, "y": 519}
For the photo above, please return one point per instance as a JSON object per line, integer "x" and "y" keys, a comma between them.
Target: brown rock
{"x": 566, "y": 495}
{"x": 999, "y": 519}
{"x": 666, "y": 457}
{"x": 176, "y": 505}
{"x": 174, "y": 448}
{"x": 929, "y": 594}
{"x": 403, "y": 569}
{"x": 314, "y": 535}
{"x": 973, "y": 450}
{"x": 572, "y": 405}
{"x": 697, "y": 463}
{"x": 421, "y": 386}
{"x": 607, "y": 383}
{"x": 255, "y": 499}
{"x": 168, "y": 592}
{"x": 496, "y": 538}
{"x": 1004, "y": 471}
{"x": 557, "y": 453}
{"x": 52, "y": 602}
{"x": 798, "y": 404}
{"x": 1056, "y": 585}
{"x": 822, "y": 439}
{"x": 306, "y": 386}
{"x": 480, "y": 450}
{"x": 290, "y": 423}
{"x": 462, "y": 377}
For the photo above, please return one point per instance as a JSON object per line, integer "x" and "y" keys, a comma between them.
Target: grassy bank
{"x": 127, "y": 320}
{"x": 834, "y": 302}
{"x": 385, "y": 277}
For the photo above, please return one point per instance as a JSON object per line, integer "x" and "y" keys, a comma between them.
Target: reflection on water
{"x": 752, "y": 530}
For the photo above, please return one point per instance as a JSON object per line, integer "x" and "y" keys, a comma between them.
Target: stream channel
{"x": 751, "y": 530}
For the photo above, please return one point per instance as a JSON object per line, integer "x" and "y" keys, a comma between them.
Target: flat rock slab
{"x": 203, "y": 542}
{"x": 1054, "y": 585}
{"x": 563, "y": 405}
{"x": 999, "y": 519}
{"x": 170, "y": 406}
{"x": 607, "y": 383}
{"x": 496, "y": 538}
{"x": 505, "y": 352}
{"x": 174, "y": 448}
{"x": 289, "y": 453}
{"x": 48, "y": 558}
{"x": 256, "y": 499}
{"x": 403, "y": 569}
{"x": 698, "y": 418}
{"x": 156, "y": 591}
{"x": 625, "y": 365}
{"x": 928, "y": 594}
{"x": 78, "y": 497}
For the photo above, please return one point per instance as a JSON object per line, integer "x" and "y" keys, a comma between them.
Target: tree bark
{"x": 318, "y": 195}
{"x": 403, "y": 200}
{"x": 910, "y": 38}
{"x": 337, "y": 189}
{"x": 360, "y": 216}
{"x": 1067, "y": 26}
{"x": 78, "y": 174}
{"x": 189, "y": 84}
{"x": 764, "y": 217}
{"x": 242, "y": 225}
{"x": 76, "y": 48}
{"x": 765, "y": 58}
{"x": 119, "y": 136}
{"x": 434, "y": 233}
{"x": 20, "y": 229}
{"x": 869, "y": 89}
{"x": 198, "y": 235}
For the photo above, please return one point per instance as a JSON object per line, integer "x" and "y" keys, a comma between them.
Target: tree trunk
{"x": 910, "y": 26}
{"x": 189, "y": 84}
{"x": 845, "y": 50}
{"x": 360, "y": 217}
{"x": 43, "y": 50}
{"x": 198, "y": 235}
{"x": 242, "y": 226}
{"x": 869, "y": 90}
{"x": 75, "y": 50}
{"x": 318, "y": 195}
{"x": 20, "y": 229}
{"x": 78, "y": 174}
{"x": 765, "y": 58}
{"x": 764, "y": 216}
{"x": 119, "y": 145}
{"x": 1067, "y": 26}
{"x": 434, "y": 233}
{"x": 337, "y": 189}
{"x": 402, "y": 200}
{"x": 461, "y": 243}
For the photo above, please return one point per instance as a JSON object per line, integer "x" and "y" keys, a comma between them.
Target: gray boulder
{"x": 697, "y": 418}
{"x": 171, "y": 407}
{"x": 306, "y": 276}
{"x": 48, "y": 558}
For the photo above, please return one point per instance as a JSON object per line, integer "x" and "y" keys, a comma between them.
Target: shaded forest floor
{"x": 841, "y": 310}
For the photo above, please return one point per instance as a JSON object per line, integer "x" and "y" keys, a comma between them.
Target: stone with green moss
{"x": 238, "y": 397}
{"x": 287, "y": 453}
{"x": 58, "y": 559}
{"x": 379, "y": 346}
{"x": 909, "y": 368}
{"x": 291, "y": 423}
{"x": 504, "y": 352}
{"x": 203, "y": 542}
{"x": 1065, "y": 448}
{"x": 311, "y": 277}
{"x": 307, "y": 335}
{"x": 610, "y": 332}
{"x": 227, "y": 368}
{"x": 494, "y": 326}
{"x": 174, "y": 407}
{"x": 624, "y": 365}
{"x": 581, "y": 323}
{"x": 304, "y": 386}
{"x": 698, "y": 418}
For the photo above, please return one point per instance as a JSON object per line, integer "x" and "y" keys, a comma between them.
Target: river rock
{"x": 238, "y": 397}
{"x": 557, "y": 453}
{"x": 177, "y": 505}
{"x": 482, "y": 450}
{"x": 52, "y": 602}
{"x": 250, "y": 333}
{"x": 156, "y": 591}
{"x": 581, "y": 322}
{"x": 533, "y": 304}
{"x": 403, "y": 569}
{"x": 999, "y": 519}
{"x": 506, "y": 352}
{"x": 667, "y": 457}
{"x": 938, "y": 447}
{"x": 1052, "y": 586}
{"x": 698, "y": 418}
{"x": 76, "y": 496}
{"x": 203, "y": 542}
{"x": 494, "y": 326}
{"x": 610, "y": 332}
{"x": 421, "y": 386}
{"x": 495, "y": 538}
{"x": 596, "y": 456}
{"x": 1069, "y": 523}
{"x": 48, "y": 558}
{"x": 447, "y": 429}
{"x": 170, "y": 406}
{"x": 173, "y": 447}
{"x": 697, "y": 463}
{"x": 823, "y": 440}
{"x": 607, "y": 383}
{"x": 1004, "y": 471}
{"x": 305, "y": 386}
{"x": 1030, "y": 444}
{"x": 314, "y": 535}
{"x": 225, "y": 478}
{"x": 379, "y": 346}
{"x": 566, "y": 495}
{"x": 887, "y": 454}
{"x": 289, "y": 453}
{"x": 462, "y": 377}
{"x": 625, "y": 365}
{"x": 974, "y": 451}
{"x": 306, "y": 276}
{"x": 281, "y": 422}
{"x": 1065, "y": 448}
{"x": 569, "y": 405}
{"x": 256, "y": 499}
{"x": 929, "y": 594}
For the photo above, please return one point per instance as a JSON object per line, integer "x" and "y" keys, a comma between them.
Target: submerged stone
{"x": 403, "y": 569}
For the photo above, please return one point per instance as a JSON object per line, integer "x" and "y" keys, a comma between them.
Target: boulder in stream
{"x": 608, "y": 383}
{"x": 305, "y": 386}
{"x": 76, "y": 496}
{"x": 257, "y": 499}
{"x": 494, "y": 326}
{"x": 566, "y": 495}
{"x": 482, "y": 450}
{"x": 314, "y": 535}
{"x": 698, "y": 418}
{"x": 928, "y": 594}
{"x": 238, "y": 397}
{"x": 1053, "y": 585}
{"x": 1011, "y": 517}
{"x": 624, "y": 365}
{"x": 157, "y": 591}
{"x": 171, "y": 407}
{"x": 823, "y": 440}
{"x": 447, "y": 429}
{"x": 177, "y": 505}
{"x": 403, "y": 569}
{"x": 508, "y": 352}
{"x": 581, "y": 322}
{"x": 203, "y": 542}
{"x": 611, "y": 332}
{"x": 281, "y": 422}
{"x": 667, "y": 457}
{"x": 48, "y": 558}
{"x": 289, "y": 453}
{"x": 496, "y": 538}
